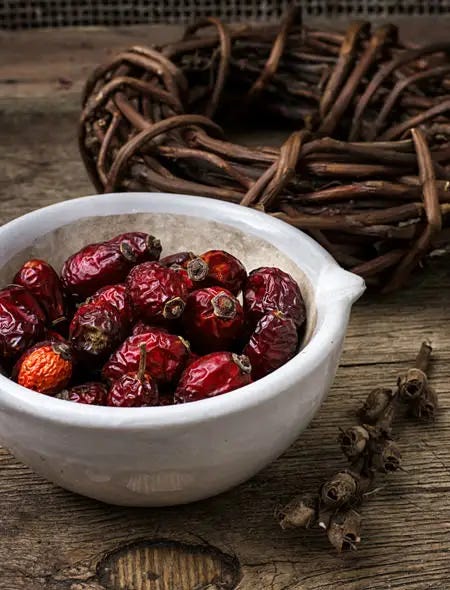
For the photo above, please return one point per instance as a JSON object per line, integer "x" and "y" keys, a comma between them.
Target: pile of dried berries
{"x": 122, "y": 327}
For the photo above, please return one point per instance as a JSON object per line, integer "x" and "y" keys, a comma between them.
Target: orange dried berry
{"x": 45, "y": 367}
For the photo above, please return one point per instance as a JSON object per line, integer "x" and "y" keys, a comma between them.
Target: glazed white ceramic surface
{"x": 176, "y": 454}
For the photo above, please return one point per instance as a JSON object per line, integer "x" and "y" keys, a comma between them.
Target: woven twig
{"x": 366, "y": 173}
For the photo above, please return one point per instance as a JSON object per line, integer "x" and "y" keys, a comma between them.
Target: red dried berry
{"x": 96, "y": 266}
{"x": 25, "y": 301}
{"x": 213, "y": 319}
{"x": 45, "y": 368}
{"x": 95, "y": 331}
{"x": 144, "y": 247}
{"x": 166, "y": 356}
{"x": 211, "y": 375}
{"x": 118, "y": 297}
{"x": 217, "y": 268}
{"x": 273, "y": 343}
{"x": 158, "y": 293}
{"x": 18, "y": 330}
{"x": 92, "y": 393}
{"x": 134, "y": 389}
{"x": 183, "y": 274}
{"x": 42, "y": 281}
{"x": 177, "y": 259}
{"x": 271, "y": 289}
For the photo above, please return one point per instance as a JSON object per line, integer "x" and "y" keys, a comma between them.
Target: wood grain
{"x": 51, "y": 539}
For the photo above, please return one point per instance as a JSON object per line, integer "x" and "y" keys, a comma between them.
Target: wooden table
{"x": 54, "y": 540}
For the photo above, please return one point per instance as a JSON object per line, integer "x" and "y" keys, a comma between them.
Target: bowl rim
{"x": 332, "y": 313}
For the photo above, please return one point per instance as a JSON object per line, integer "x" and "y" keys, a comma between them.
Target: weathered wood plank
{"x": 52, "y": 539}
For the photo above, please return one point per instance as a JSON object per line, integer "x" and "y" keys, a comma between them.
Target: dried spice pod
{"x": 41, "y": 279}
{"x": 271, "y": 289}
{"x": 134, "y": 390}
{"x": 18, "y": 330}
{"x": 273, "y": 343}
{"x": 211, "y": 375}
{"x": 46, "y": 367}
{"x": 342, "y": 489}
{"x": 118, "y": 297}
{"x": 217, "y": 268}
{"x": 95, "y": 330}
{"x": 375, "y": 406}
{"x": 213, "y": 319}
{"x": 92, "y": 393}
{"x": 301, "y": 511}
{"x": 96, "y": 266}
{"x": 353, "y": 441}
{"x": 344, "y": 530}
{"x": 158, "y": 293}
{"x": 167, "y": 355}
{"x": 425, "y": 407}
{"x": 141, "y": 246}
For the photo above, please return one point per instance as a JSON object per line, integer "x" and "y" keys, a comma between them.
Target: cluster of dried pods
{"x": 366, "y": 173}
{"x": 370, "y": 450}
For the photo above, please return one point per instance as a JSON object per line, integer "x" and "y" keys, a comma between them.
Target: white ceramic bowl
{"x": 176, "y": 454}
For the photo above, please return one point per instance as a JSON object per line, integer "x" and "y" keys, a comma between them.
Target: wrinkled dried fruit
{"x": 45, "y": 367}
{"x": 130, "y": 392}
{"x": 141, "y": 327}
{"x": 158, "y": 293}
{"x": 136, "y": 389}
{"x": 177, "y": 259}
{"x": 144, "y": 247}
{"x": 117, "y": 296}
{"x": 96, "y": 266}
{"x": 211, "y": 375}
{"x": 95, "y": 331}
{"x": 213, "y": 319}
{"x": 25, "y": 301}
{"x": 166, "y": 356}
{"x": 18, "y": 330}
{"x": 92, "y": 393}
{"x": 217, "y": 268}
{"x": 271, "y": 289}
{"x": 273, "y": 343}
{"x": 183, "y": 273}
{"x": 42, "y": 281}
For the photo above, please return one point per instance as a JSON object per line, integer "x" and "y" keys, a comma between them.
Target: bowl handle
{"x": 339, "y": 284}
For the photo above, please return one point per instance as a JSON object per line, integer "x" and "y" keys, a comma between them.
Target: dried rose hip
{"x": 158, "y": 293}
{"x": 18, "y": 330}
{"x": 95, "y": 331}
{"x": 217, "y": 268}
{"x": 213, "y": 319}
{"x": 136, "y": 389}
{"x": 271, "y": 289}
{"x": 183, "y": 274}
{"x": 25, "y": 301}
{"x": 96, "y": 266}
{"x": 142, "y": 246}
{"x": 42, "y": 281}
{"x": 166, "y": 356}
{"x": 273, "y": 343}
{"x": 211, "y": 375}
{"x": 45, "y": 367}
{"x": 92, "y": 393}
{"x": 118, "y": 297}
{"x": 178, "y": 259}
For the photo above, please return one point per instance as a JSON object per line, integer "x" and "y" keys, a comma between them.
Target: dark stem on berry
{"x": 142, "y": 361}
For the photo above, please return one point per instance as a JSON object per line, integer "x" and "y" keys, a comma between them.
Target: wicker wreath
{"x": 366, "y": 171}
